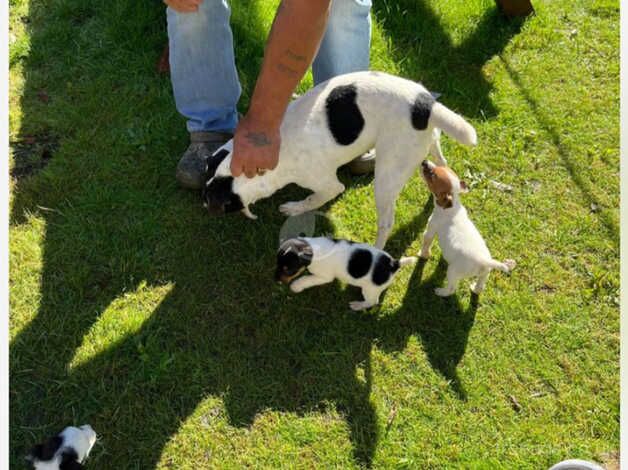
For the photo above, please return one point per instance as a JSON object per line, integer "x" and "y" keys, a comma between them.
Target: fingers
{"x": 250, "y": 171}
{"x": 236, "y": 168}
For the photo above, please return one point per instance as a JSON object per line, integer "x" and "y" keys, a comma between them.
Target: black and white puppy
{"x": 64, "y": 451}
{"x": 357, "y": 264}
{"x": 329, "y": 126}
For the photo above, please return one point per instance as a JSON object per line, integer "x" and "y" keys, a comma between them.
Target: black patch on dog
{"x": 213, "y": 162}
{"x": 360, "y": 263}
{"x": 420, "y": 111}
{"x": 385, "y": 266}
{"x": 46, "y": 450}
{"x": 219, "y": 196}
{"x": 344, "y": 118}
{"x": 69, "y": 460}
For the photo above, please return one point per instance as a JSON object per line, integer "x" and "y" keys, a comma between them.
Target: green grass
{"x": 134, "y": 311}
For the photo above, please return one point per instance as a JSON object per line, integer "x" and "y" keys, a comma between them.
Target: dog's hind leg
{"x": 452, "y": 284}
{"x": 436, "y": 150}
{"x": 322, "y": 194}
{"x": 391, "y": 174}
{"x": 478, "y": 286}
{"x": 371, "y": 298}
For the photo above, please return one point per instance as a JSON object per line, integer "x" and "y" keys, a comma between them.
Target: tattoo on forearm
{"x": 259, "y": 139}
{"x": 285, "y": 69}
{"x": 294, "y": 56}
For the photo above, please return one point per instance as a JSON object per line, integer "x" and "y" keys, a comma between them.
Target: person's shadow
{"x": 426, "y": 52}
{"x": 210, "y": 321}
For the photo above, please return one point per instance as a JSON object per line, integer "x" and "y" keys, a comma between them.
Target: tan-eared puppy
{"x": 462, "y": 245}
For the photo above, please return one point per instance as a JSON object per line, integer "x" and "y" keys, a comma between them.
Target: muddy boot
{"x": 191, "y": 168}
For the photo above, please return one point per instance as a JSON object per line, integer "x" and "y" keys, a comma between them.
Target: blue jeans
{"x": 202, "y": 65}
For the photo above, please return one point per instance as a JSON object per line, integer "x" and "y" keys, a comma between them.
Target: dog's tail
{"x": 453, "y": 124}
{"x": 507, "y": 266}
{"x": 407, "y": 260}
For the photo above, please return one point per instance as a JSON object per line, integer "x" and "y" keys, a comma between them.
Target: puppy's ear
{"x": 445, "y": 200}
{"x": 306, "y": 254}
{"x": 213, "y": 162}
{"x": 46, "y": 450}
{"x": 69, "y": 461}
{"x": 463, "y": 187}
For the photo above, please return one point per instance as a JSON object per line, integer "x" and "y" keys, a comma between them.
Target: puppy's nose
{"x": 424, "y": 164}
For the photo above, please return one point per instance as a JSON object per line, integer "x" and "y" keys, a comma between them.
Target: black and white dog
{"x": 64, "y": 451}
{"x": 357, "y": 264}
{"x": 329, "y": 126}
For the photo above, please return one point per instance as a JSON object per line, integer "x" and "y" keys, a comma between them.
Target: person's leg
{"x": 204, "y": 82}
{"x": 344, "y": 49}
{"x": 202, "y": 67}
{"x": 347, "y": 40}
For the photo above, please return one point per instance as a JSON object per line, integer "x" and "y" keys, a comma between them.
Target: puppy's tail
{"x": 453, "y": 124}
{"x": 507, "y": 266}
{"x": 407, "y": 260}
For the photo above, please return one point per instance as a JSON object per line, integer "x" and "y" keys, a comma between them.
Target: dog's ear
{"x": 463, "y": 187}
{"x": 306, "y": 253}
{"x": 46, "y": 450}
{"x": 214, "y": 161}
{"x": 445, "y": 200}
{"x": 69, "y": 461}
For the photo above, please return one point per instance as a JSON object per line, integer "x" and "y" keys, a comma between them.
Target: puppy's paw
{"x": 510, "y": 264}
{"x": 443, "y": 291}
{"x": 292, "y": 208}
{"x": 476, "y": 289}
{"x": 425, "y": 254}
{"x": 357, "y": 305}
{"x": 296, "y": 287}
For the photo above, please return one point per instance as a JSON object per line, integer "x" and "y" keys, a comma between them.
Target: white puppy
{"x": 64, "y": 451}
{"x": 357, "y": 264}
{"x": 328, "y": 127}
{"x": 462, "y": 245}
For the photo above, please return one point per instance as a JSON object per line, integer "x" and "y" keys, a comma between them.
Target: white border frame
{"x": 4, "y": 235}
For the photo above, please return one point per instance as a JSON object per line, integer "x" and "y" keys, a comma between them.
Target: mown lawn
{"x": 134, "y": 311}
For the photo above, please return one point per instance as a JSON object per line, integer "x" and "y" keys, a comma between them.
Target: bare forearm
{"x": 293, "y": 40}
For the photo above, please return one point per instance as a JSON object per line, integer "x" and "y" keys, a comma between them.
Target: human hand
{"x": 183, "y": 6}
{"x": 255, "y": 148}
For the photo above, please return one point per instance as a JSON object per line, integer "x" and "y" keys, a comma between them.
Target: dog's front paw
{"x": 296, "y": 287}
{"x": 292, "y": 208}
{"x": 357, "y": 305}
{"x": 443, "y": 291}
{"x": 476, "y": 288}
{"x": 425, "y": 254}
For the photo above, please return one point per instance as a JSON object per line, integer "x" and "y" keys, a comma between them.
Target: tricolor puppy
{"x": 65, "y": 451}
{"x": 329, "y": 126}
{"x": 326, "y": 259}
{"x": 462, "y": 245}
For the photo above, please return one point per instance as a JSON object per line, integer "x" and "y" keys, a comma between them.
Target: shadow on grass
{"x": 426, "y": 53}
{"x": 115, "y": 223}
{"x": 442, "y": 324}
{"x": 585, "y": 187}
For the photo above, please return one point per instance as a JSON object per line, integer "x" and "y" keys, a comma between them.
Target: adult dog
{"x": 329, "y": 126}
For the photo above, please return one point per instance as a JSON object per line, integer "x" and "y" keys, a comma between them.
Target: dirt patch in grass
{"x": 31, "y": 153}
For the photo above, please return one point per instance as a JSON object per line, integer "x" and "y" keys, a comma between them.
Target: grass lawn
{"x": 134, "y": 311}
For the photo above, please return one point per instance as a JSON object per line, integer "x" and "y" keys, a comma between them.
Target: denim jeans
{"x": 202, "y": 65}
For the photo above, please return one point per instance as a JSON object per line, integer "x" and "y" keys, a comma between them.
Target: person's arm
{"x": 184, "y": 6}
{"x": 293, "y": 40}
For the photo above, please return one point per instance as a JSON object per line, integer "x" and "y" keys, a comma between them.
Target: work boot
{"x": 191, "y": 168}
